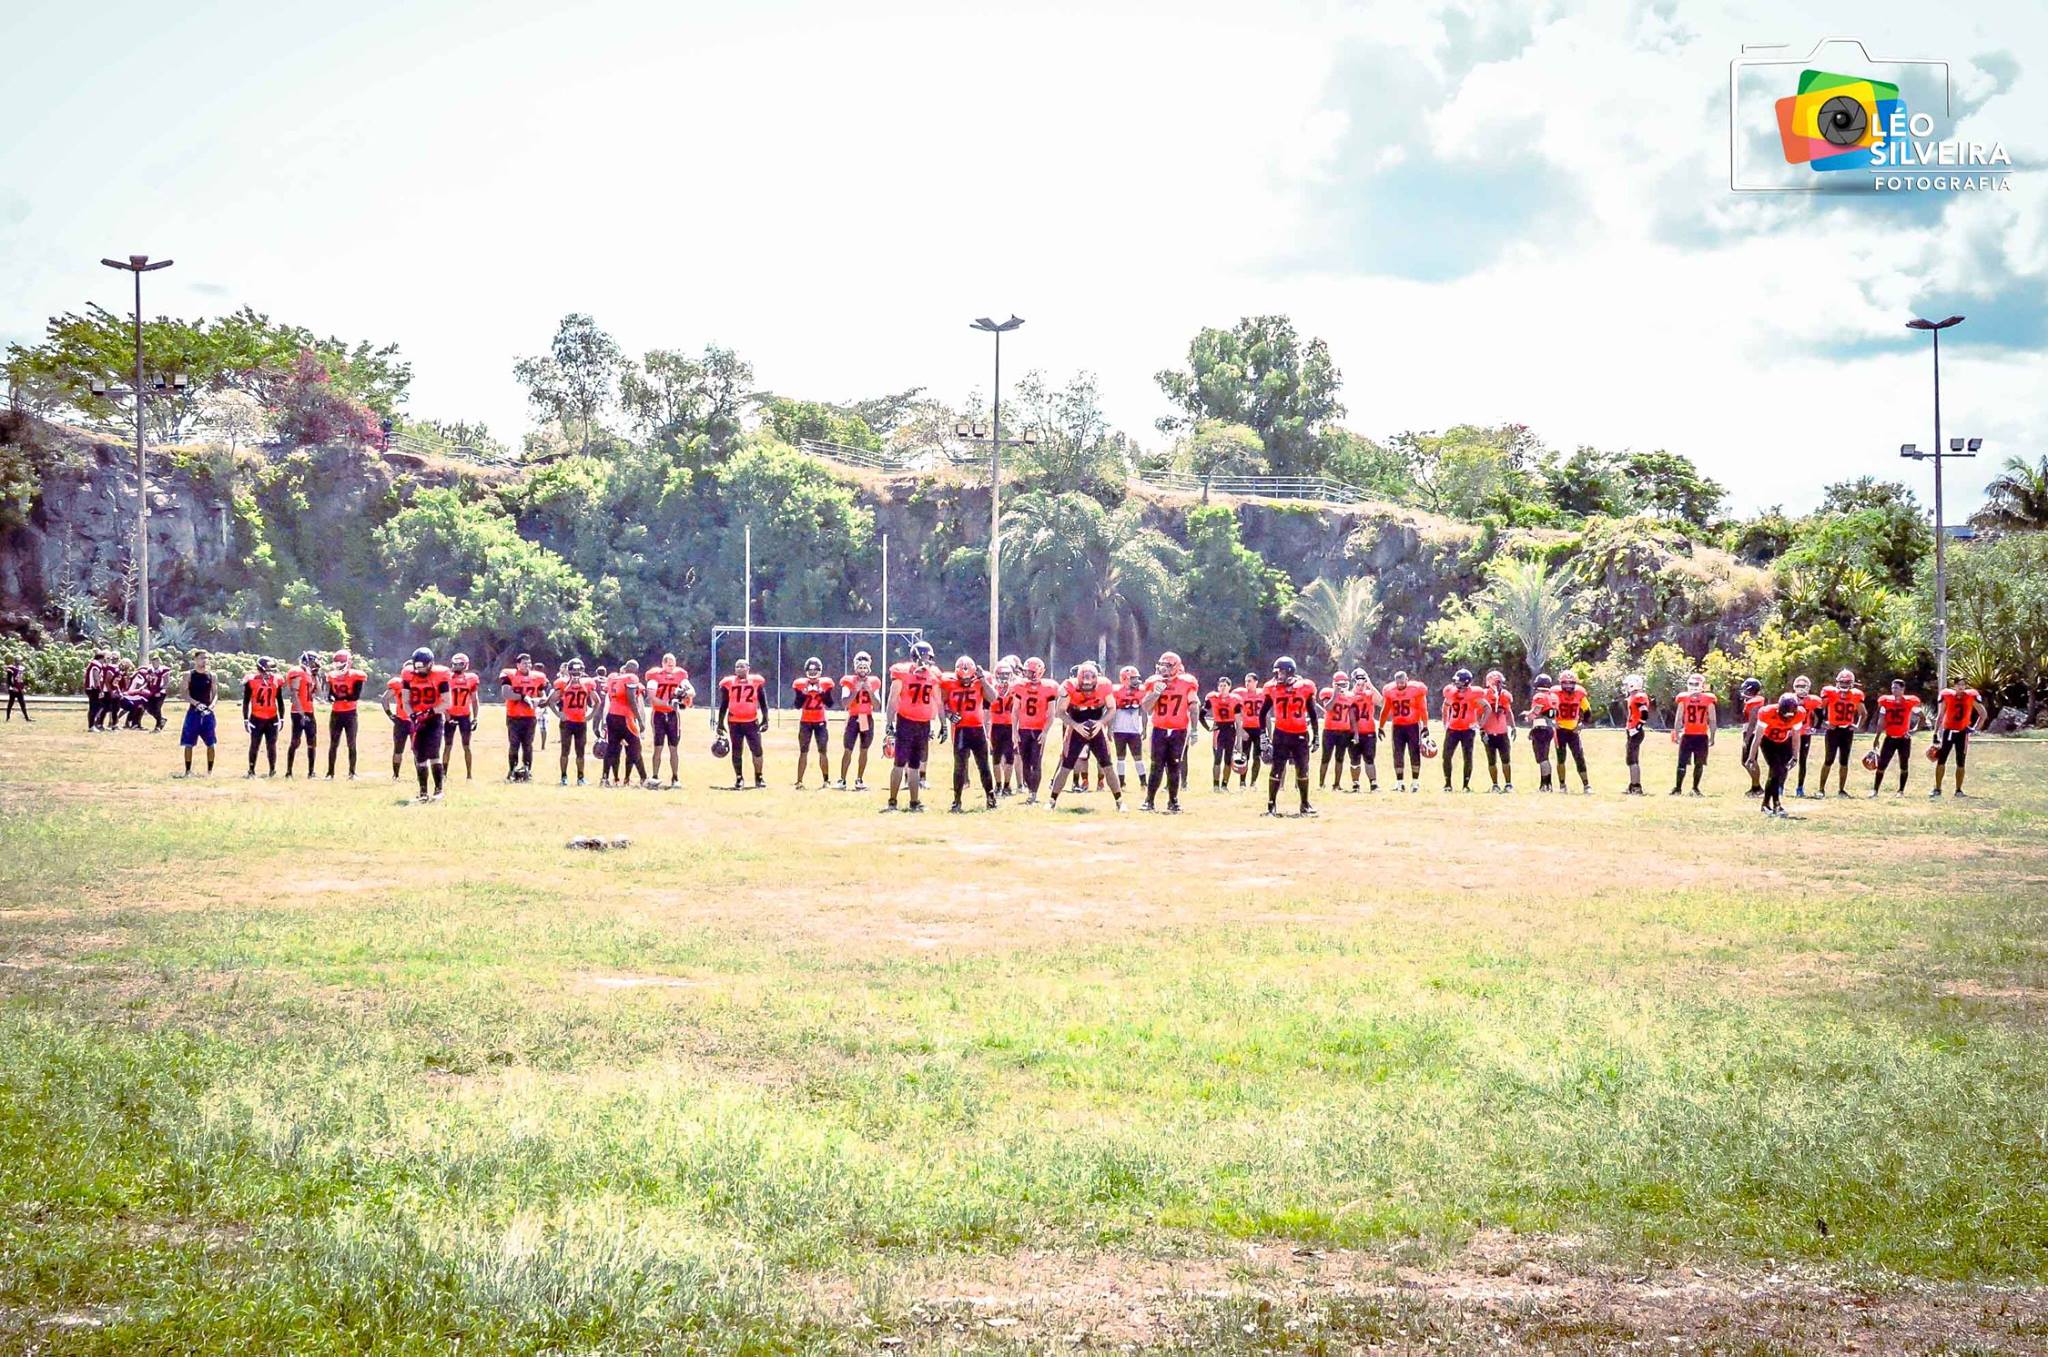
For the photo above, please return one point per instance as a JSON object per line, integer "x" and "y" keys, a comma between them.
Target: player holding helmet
{"x": 1898, "y": 715}
{"x": 741, "y": 716}
{"x": 669, "y": 691}
{"x": 1404, "y": 709}
{"x": 1083, "y": 708}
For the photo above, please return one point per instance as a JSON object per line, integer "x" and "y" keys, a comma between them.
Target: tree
{"x": 573, "y": 381}
{"x": 1046, "y": 564}
{"x": 1343, "y": 615}
{"x": 1669, "y": 485}
{"x": 1259, "y": 373}
{"x": 244, "y": 351}
{"x": 1998, "y": 609}
{"x": 469, "y": 579}
{"x": 232, "y": 417}
{"x": 1587, "y": 482}
{"x": 2017, "y": 498}
{"x": 795, "y": 421}
{"x": 1467, "y": 471}
{"x": 1533, "y": 602}
{"x": 309, "y": 410}
{"x": 692, "y": 403}
{"x": 1074, "y": 447}
{"x": 1229, "y": 592}
{"x": 1219, "y": 449}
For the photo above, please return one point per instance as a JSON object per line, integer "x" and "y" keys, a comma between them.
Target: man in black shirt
{"x": 17, "y": 689}
{"x": 199, "y": 725}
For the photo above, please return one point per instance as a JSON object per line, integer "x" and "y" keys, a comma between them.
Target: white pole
{"x": 747, "y": 602}
{"x": 883, "y": 654}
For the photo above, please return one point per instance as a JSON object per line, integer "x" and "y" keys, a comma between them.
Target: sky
{"x": 1492, "y": 211}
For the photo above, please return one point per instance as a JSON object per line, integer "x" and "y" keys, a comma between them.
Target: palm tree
{"x": 2018, "y": 498}
{"x": 1343, "y": 616}
{"x": 1531, "y": 601}
{"x": 1047, "y": 566}
{"x": 1138, "y": 582}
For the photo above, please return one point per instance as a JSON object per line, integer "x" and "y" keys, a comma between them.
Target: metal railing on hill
{"x": 867, "y": 459}
{"x": 1318, "y": 488}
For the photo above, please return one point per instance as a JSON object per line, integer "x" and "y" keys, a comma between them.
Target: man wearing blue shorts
{"x": 199, "y": 726}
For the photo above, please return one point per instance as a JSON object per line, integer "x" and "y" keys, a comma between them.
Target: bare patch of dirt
{"x": 1502, "y": 1292}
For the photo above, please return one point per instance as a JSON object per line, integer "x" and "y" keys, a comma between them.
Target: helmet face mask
{"x": 1034, "y": 668}
{"x": 1128, "y": 673}
{"x": 1463, "y": 678}
{"x": 341, "y": 658}
{"x": 1788, "y": 706}
{"x": 964, "y": 665}
{"x": 1846, "y": 677}
{"x": 1169, "y": 664}
{"x": 863, "y": 662}
{"x": 814, "y": 666}
{"x": 1696, "y": 684}
{"x": 1284, "y": 667}
{"x": 575, "y": 666}
{"x": 921, "y": 651}
{"x": 422, "y": 660}
{"x": 459, "y": 662}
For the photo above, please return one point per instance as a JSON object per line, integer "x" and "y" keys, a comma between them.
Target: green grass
{"x": 299, "y": 1067}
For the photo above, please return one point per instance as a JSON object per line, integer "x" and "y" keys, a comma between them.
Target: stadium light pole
{"x": 1934, "y": 329}
{"x": 995, "y": 489}
{"x": 138, "y": 264}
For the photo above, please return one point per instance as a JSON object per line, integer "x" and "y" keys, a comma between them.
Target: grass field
{"x": 292, "y": 1067}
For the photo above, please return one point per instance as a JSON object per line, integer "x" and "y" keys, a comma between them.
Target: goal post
{"x": 769, "y": 650}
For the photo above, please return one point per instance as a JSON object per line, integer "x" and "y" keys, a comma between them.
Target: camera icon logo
{"x": 1834, "y": 121}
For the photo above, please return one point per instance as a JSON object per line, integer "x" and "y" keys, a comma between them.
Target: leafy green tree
{"x": 1074, "y": 448}
{"x": 1230, "y": 593}
{"x": 1343, "y": 615}
{"x": 1376, "y": 468}
{"x": 690, "y": 404}
{"x": 1998, "y": 610}
{"x": 1669, "y": 485}
{"x": 1046, "y": 563}
{"x": 1466, "y": 472}
{"x": 1587, "y": 482}
{"x": 1218, "y": 449}
{"x": 572, "y": 383}
{"x": 471, "y": 581}
{"x": 1533, "y": 602}
{"x": 1259, "y": 373}
{"x": 1777, "y": 653}
{"x": 795, "y": 421}
{"x": 1760, "y": 540}
{"x": 2017, "y": 497}
{"x": 244, "y": 351}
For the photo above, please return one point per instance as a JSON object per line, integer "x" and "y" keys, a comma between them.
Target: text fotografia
{"x": 1904, "y": 157}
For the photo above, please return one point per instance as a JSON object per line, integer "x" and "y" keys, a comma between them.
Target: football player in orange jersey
{"x": 1219, "y": 717}
{"x": 424, "y": 693}
{"x": 262, "y": 704}
{"x": 1365, "y": 733}
{"x": 1775, "y": 725}
{"x": 1339, "y": 715}
{"x": 741, "y": 715}
{"x": 1810, "y": 703}
{"x": 1002, "y": 730}
{"x": 1639, "y": 706}
{"x": 1464, "y": 706}
{"x": 1404, "y": 713}
{"x": 301, "y": 686}
{"x": 1542, "y": 717}
{"x": 1898, "y": 714}
{"x": 669, "y": 691}
{"x": 1035, "y": 696}
{"x": 1843, "y": 708}
{"x": 1127, "y": 723}
{"x": 912, "y": 706}
{"x": 1251, "y": 711}
{"x": 1574, "y": 708}
{"x": 861, "y": 689}
{"x": 966, "y": 694}
{"x": 1084, "y": 706}
{"x": 1693, "y": 732}
{"x": 463, "y": 688}
{"x": 1288, "y": 727}
{"x": 1753, "y": 701}
{"x": 815, "y": 696}
{"x": 1959, "y": 712}
{"x": 1497, "y": 732}
{"x": 1170, "y": 701}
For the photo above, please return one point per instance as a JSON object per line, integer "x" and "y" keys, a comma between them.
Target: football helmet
{"x": 1284, "y": 666}
{"x": 1463, "y": 678}
{"x": 1751, "y": 687}
{"x": 422, "y": 660}
{"x": 813, "y": 667}
{"x": 459, "y": 662}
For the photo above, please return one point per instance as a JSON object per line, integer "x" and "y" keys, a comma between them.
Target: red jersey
{"x": 813, "y": 696}
{"x": 1251, "y": 707}
{"x": 668, "y": 687}
{"x": 526, "y": 689}
{"x": 1638, "y": 710}
{"x": 462, "y": 693}
{"x": 1897, "y": 714}
{"x": 1499, "y": 716}
{"x": 1338, "y": 709}
{"x": 1223, "y": 707}
{"x": 1087, "y": 704}
{"x": 965, "y": 701}
{"x": 1365, "y": 709}
{"x": 1543, "y": 705}
{"x": 1750, "y": 705}
{"x": 1811, "y": 705}
{"x": 622, "y": 695}
{"x": 577, "y": 696}
{"x": 1779, "y": 729}
{"x": 1291, "y": 699}
{"x": 1405, "y": 704}
{"x": 919, "y": 698}
{"x": 422, "y": 693}
{"x": 1696, "y": 713}
{"x": 395, "y": 690}
{"x": 861, "y": 691}
{"x": 1129, "y": 695}
{"x": 298, "y": 685}
{"x": 1463, "y": 706}
{"x": 347, "y": 688}
{"x": 1844, "y": 705}
{"x": 1034, "y": 703}
{"x": 743, "y": 696}
{"x": 1175, "y": 705}
{"x": 1574, "y": 704}
{"x": 265, "y": 692}
{"x": 1958, "y": 708}
{"x": 1003, "y": 710}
